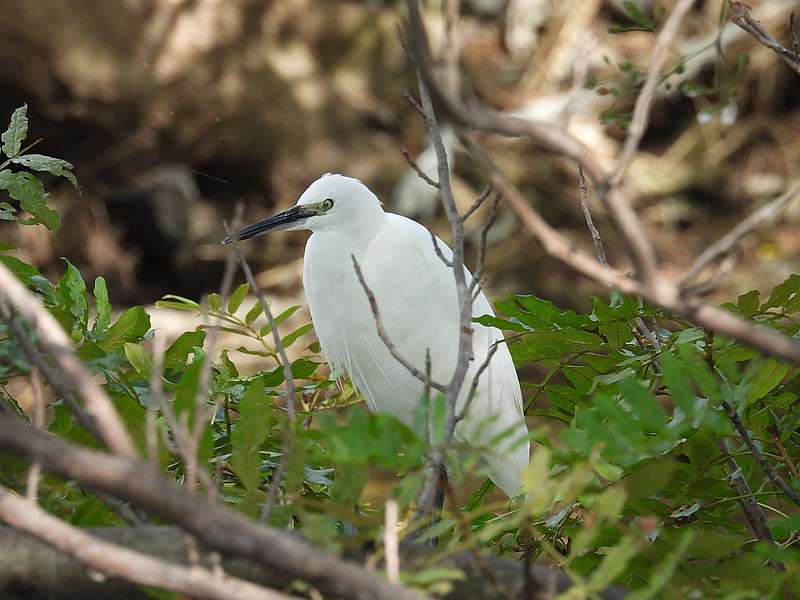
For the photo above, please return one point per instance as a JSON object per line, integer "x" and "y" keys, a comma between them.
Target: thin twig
{"x": 390, "y": 541}
{"x": 481, "y": 260}
{"x": 765, "y": 465}
{"x": 662, "y": 293}
{"x": 286, "y": 366}
{"x": 413, "y": 164}
{"x": 740, "y": 14}
{"x": 598, "y": 241}
{"x": 437, "y": 249}
{"x": 373, "y": 304}
{"x": 478, "y": 202}
{"x": 37, "y": 420}
{"x": 752, "y": 511}
{"x": 476, "y": 379}
{"x": 202, "y": 413}
{"x": 760, "y": 217}
{"x": 641, "y": 111}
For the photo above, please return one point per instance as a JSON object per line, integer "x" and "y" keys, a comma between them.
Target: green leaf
{"x": 139, "y": 359}
{"x": 72, "y": 293}
{"x": 292, "y": 337}
{"x": 178, "y": 302}
{"x": 7, "y": 212}
{"x": 130, "y": 327}
{"x": 279, "y": 319}
{"x": 6, "y": 247}
{"x": 238, "y": 296}
{"x": 678, "y": 383}
{"x": 22, "y": 270}
{"x": 250, "y": 432}
{"x": 785, "y": 296}
{"x": 29, "y": 192}
{"x": 748, "y": 303}
{"x": 253, "y": 314}
{"x": 214, "y": 301}
{"x": 637, "y": 15}
{"x": 186, "y": 390}
{"x": 54, "y": 166}
{"x": 16, "y": 133}
{"x": 102, "y": 306}
{"x": 666, "y": 568}
{"x": 176, "y": 355}
{"x": 549, "y": 344}
{"x": 768, "y": 374}
{"x": 614, "y": 564}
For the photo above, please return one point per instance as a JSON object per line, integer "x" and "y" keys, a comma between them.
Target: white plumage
{"x": 417, "y": 299}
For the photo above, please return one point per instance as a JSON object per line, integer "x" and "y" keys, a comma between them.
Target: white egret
{"x": 417, "y": 299}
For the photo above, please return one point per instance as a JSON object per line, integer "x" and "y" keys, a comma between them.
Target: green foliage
{"x": 23, "y": 186}
{"x": 627, "y": 484}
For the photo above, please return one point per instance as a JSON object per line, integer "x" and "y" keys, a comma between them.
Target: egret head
{"x": 332, "y": 202}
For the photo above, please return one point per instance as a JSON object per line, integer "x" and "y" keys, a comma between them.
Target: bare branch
{"x": 662, "y": 293}
{"x": 54, "y": 342}
{"x": 390, "y": 541}
{"x": 474, "y": 285}
{"x": 762, "y": 461}
{"x": 598, "y": 241}
{"x": 413, "y": 164}
{"x": 763, "y": 216}
{"x": 373, "y": 304}
{"x": 641, "y": 111}
{"x": 117, "y": 561}
{"x": 476, "y": 379}
{"x": 740, "y": 14}
{"x": 438, "y": 250}
{"x": 478, "y": 202}
{"x": 217, "y": 527}
{"x": 545, "y": 135}
{"x": 37, "y": 420}
{"x": 286, "y": 366}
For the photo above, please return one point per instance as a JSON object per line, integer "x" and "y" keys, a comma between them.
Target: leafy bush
{"x": 630, "y": 481}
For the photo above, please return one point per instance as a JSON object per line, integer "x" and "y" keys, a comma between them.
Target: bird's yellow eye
{"x": 326, "y": 204}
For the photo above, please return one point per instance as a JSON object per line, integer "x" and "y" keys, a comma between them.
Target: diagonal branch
{"x": 641, "y": 111}
{"x": 663, "y": 293}
{"x": 277, "y": 476}
{"x": 117, "y": 561}
{"x": 373, "y": 304}
{"x": 55, "y": 342}
{"x": 215, "y": 526}
{"x": 763, "y": 216}
{"x": 740, "y": 14}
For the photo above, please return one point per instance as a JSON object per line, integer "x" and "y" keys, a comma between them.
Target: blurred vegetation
{"x": 172, "y": 111}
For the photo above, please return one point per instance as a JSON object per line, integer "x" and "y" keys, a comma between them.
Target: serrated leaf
{"x": 130, "y": 327}
{"x": 30, "y": 194}
{"x": 48, "y": 164}
{"x": 238, "y": 296}
{"x": 72, "y": 292}
{"x": 785, "y": 296}
{"x": 16, "y": 133}
{"x": 102, "y": 306}
{"x": 139, "y": 359}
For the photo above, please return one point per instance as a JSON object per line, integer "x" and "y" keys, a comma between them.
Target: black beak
{"x": 282, "y": 220}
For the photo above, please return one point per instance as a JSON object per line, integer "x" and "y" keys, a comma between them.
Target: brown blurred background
{"x": 173, "y": 110}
